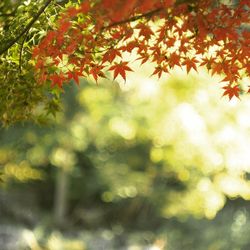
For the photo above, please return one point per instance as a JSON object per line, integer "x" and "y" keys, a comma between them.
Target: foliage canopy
{"x": 48, "y": 43}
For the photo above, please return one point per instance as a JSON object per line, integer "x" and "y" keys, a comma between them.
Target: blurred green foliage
{"x": 159, "y": 157}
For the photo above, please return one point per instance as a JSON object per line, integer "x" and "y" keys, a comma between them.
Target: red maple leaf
{"x": 231, "y": 91}
{"x": 190, "y": 64}
{"x": 85, "y": 6}
{"x": 110, "y": 55}
{"x": 96, "y": 72}
{"x": 159, "y": 70}
{"x": 145, "y": 30}
{"x": 174, "y": 60}
{"x": 64, "y": 26}
{"x": 75, "y": 75}
{"x": 120, "y": 69}
{"x": 57, "y": 79}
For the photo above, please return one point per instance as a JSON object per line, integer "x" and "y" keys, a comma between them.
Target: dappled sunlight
{"x": 145, "y": 149}
{"x": 202, "y": 200}
{"x": 60, "y": 157}
{"x": 122, "y": 128}
{"x": 22, "y": 172}
{"x": 204, "y": 138}
{"x": 190, "y": 138}
{"x": 233, "y": 185}
{"x": 56, "y": 241}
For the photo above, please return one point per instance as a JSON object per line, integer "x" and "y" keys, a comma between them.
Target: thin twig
{"x": 21, "y": 51}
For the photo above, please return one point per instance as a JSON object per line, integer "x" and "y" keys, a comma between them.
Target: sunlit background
{"x": 145, "y": 164}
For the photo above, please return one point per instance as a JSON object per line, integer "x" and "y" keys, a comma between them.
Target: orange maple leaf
{"x": 110, "y": 55}
{"x": 96, "y": 72}
{"x": 75, "y": 76}
{"x": 120, "y": 69}
{"x": 57, "y": 79}
{"x": 231, "y": 91}
{"x": 159, "y": 70}
{"x": 190, "y": 64}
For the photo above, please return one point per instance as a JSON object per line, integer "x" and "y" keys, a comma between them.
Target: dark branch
{"x": 134, "y": 18}
{"x": 146, "y": 15}
{"x": 27, "y": 28}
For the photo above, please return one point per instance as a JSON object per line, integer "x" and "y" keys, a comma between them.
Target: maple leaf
{"x": 159, "y": 70}
{"x": 36, "y": 52}
{"x": 146, "y": 5}
{"x": 72, "y": 12}
{"x": 128, "y": 6}
{"x": 245, "y": 2}
{"x": 231, "y": 91}
{"x": 190, "y": 64}
{"x": 110, "y": 55}
{"x": 96, "y": 72}
{"x": 85, "y": 6}
{"x": 167, "y": 3}
{"x": 144, "y": 57}
{"x": 174, "y": 60}
{"x": 75, "y": 75}
{"x": 145, "y": 30}
{"x": 57, "y": 80}
{"x": 120, "y": 69}
{"x": 39, "y": 64}
{"x": 170, "y": 41}
{"x": 64, "y": 26}
{"x": 208, "y": 62}
{"x": 217, "y": 68}
{"x": 130, "y": 46}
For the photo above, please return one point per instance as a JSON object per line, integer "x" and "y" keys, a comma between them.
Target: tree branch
{"x": 147, "y": 15}
{"x": 134, "y": 18}
{"x": 26, "y": 29}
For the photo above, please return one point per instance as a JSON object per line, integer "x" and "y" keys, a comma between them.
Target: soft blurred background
{"x": 144, "y": 165}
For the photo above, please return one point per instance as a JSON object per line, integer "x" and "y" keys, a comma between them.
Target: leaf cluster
{"x": 50, "y": 43}
{"x": 21, "y": 97}
{"x": 167, "y": 33}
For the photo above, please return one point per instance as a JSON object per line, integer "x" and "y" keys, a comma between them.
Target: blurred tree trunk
{"x": 61, "y": 195}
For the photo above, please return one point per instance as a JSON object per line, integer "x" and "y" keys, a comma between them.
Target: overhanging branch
{"x": 134, "y": 18}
